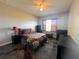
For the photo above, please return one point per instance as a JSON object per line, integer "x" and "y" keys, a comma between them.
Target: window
{"x": 48, "y": 25}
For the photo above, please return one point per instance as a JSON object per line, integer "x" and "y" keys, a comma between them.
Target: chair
{"x": 38, "y": 28}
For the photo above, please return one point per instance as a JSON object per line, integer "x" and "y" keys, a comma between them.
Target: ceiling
{"x": 54, "y": 6}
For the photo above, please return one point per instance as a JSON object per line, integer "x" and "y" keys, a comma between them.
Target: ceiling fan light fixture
{"x": 40, "y": 4}
{"x": 41, "y": 9}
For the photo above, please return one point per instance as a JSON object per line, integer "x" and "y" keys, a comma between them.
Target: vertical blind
{"x": 49, "y": 25}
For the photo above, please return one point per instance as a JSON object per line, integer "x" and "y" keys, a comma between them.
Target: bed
{"x": 36, "y": 39}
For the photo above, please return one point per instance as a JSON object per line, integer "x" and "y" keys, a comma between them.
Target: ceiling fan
{"x": 40, "y": 4}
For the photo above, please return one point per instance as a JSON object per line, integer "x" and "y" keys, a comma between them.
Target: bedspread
{"x": 35, "y": 38}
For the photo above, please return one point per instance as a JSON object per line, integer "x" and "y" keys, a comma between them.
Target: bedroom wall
{"x": 9, "y": 17}
{"x": 73, "y": 25}
{"x": 62, "y": 20}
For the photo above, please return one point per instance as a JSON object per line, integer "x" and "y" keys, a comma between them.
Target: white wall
{"x": 10, "y": 17}
{"x": 73, "y": 25}
{"x": 62, "y": 20}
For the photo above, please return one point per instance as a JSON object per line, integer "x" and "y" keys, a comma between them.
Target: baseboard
{"x": 5, "y": 43}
